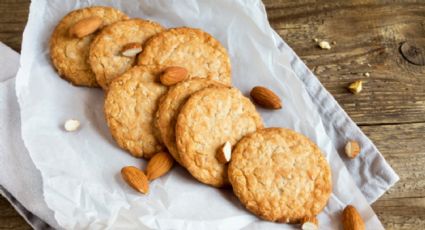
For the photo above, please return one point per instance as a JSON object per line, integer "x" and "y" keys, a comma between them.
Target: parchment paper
{"x": 80, "y": 170}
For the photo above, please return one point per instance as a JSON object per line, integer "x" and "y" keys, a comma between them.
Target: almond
{"x": 85, "y": 27}
{"x": 309, "y": 223}
{"x": 356, "y": 87}
{"x": 351, "y": 219}
{"x": 159, "y": 165}
{"x": 224, "y": 153}
{"x": 352, "y": 149}
{"x": 265, "y": 98}
{"x": 71, "y": 125}
{"x": 136, "y": 178}
{"x": 131, "y": 49}
{"x": 173, "y": 75}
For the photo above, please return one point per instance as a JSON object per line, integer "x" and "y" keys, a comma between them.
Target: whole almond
{"x": 136, "y": 178}
{"x": 309, "y": 223}
{"x": 351, "y": 219}
{"x": 131, "y": 49}
{"x": 173, "y": 75}
{"x": 159, "y": 165}
{"x": 352, "y": 149}
{"x": 265, "y": 98}
{"x": 85, "y": 27}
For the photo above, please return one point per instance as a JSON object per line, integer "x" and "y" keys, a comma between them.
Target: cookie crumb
{"x": 71, "y": 125}
{"x": 315, "y": 40}
{"x": 367, "y": 74}
{"x": 325, "y": 45}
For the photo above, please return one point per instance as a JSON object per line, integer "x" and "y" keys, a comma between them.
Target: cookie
{"x": 208, "y": 119}
{"x": 280, "y": 175}
{"x": 106, "y": 58}
{"x": 197, "y": 51}
{"x": 130, "y": 106}
{"x": 69, "y": 54}
{"x": 169, "y": 108}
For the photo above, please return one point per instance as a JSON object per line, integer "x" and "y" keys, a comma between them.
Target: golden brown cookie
{"x": 69, "y": 54}
{"x": 106, "y": 51}
{"x": 130, "y": 106}
{"x": 197, "y": 51}
{"x": 208, "y": 119}
{"x": 169, "y": 108}
{"x": 280, "y": 175}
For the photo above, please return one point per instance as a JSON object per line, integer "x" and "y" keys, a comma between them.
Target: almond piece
{"x": 136, "y": 178}
{"x": 352, "y": 149}
{"x": 351, "y": 219}
{"x": 356, "y": 87}
{"x": 85, "y": 27}
{"x": 71, "y": 125}
{"x": 131, "y": 49}
{"x": 309, "y": 223}
{"x": 159, "y": 165}
{"x": 265, "y": 98}
{"x": 173, "y": 75}
{"x": 224, "y": 153}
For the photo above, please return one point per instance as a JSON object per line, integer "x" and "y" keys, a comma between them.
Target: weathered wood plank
{"x": 13, "y": 17}
{"x": 402, "y": 207}
{"x": 367, "y": 35}
{"x": 9, "y": 218}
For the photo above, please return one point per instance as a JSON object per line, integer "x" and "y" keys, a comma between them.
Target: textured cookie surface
{"x": 130, "y": 106}
{"x": 70, "y": 54}
{"x": 197, "y": 51}
{"x": 208, "y": 119}
{"x": 169, "y": 109}
{"x": 106, "y": 59}
{"x": 280, "y": 175}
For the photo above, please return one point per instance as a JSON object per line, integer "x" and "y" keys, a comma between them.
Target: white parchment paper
{"x": 80, "y": 170}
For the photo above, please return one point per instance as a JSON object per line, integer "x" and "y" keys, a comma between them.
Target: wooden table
{"x": 367, "y": 36}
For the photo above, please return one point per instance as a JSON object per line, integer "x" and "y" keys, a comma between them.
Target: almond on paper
{"x": 309, "y": 223}
{"x": 131, "y": 49}
{"x": 85, "y": 27}
{"x": 159, "y": 165}
{"x": 265, "y": 98}
{"x": 71, "y": 125}
{"x": 352, "y": 149}
{"x": 351, "y": 219}
{"x": 136, "y": 178}
{"x": 173, "y": 74}
{"x": 224, "y": 153}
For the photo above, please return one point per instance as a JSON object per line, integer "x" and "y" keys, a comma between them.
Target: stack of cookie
{"x": 170, "y": 90}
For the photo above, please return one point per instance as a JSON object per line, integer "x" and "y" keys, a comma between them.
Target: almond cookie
{"x": 130, "y": 106}
{"x": 280, "y": 175}
{"x": 107, "y": 57}
{"x": 197, "y": 51}
{"x": 169, "y": 108}
{"x": 208, "y": 119}
{"x": 69, "y": 53}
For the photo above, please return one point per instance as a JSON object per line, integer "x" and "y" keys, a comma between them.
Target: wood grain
{"x": 368, "y": 35}
{"x": 365, "y": 32}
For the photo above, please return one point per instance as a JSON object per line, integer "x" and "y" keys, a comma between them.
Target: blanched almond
{"x": 159, "y": 165}
{"x": 85, "y": 27}
{"x": 173, "y": 75}
{"x": 136, "y": 178}
{"x": 309, "y": 223}
{"x": 265, "y": 98}
{"x": 131, "y": 49}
